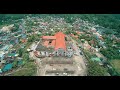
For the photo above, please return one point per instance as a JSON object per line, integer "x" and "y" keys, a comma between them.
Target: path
{"x": 79, "y": 59}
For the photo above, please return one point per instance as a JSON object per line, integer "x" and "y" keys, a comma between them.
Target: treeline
{"x": 110, "y": 21}
{"x": 10, "y": 18}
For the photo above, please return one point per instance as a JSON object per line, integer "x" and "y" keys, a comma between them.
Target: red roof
{"x": 53, "y": 43}
{"x": 23, "y": 40}
{"x": 46, "y": 43}
{"x": 78, "y": 32}
{"x": 48, "y": 37}
{"x": 60, "y": 41}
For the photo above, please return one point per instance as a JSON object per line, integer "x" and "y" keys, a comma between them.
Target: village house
{"x": 2, "y": 54}
{"x": 86, "y": 46}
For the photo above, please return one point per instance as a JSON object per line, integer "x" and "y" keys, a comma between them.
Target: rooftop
{"x": 58, "y": 41}
{"x": 48, "y": 37}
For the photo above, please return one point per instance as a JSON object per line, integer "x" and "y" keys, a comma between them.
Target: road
{"x": 37, "y": 60}
{"x": 79, "y": 59}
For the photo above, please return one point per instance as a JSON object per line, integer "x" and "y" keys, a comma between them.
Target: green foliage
{"x": 94, "y": 69}
{"x": 20, "y": 51}
{"x": 29, "y": 69}
{"x": 10, "y": 18}
{"x": 111, "y": 53}
{"x": 31, "y": 38}
{"x": 26, "y": 57}
{"x": 15, "y": 64}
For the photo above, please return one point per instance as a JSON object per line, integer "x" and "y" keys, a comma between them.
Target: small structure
{"x": 74, "y": 36}
{"x": 86, "y": 46}
{"x": 5, "y": 48}
{"x": 19, "y": 61}
{"x": 7, "y": 67}
{"x": 12, "y": 55}
{"x": 97, "y": 60}
{"x": 1, "y": 55}
{"x": 23, "y": 40}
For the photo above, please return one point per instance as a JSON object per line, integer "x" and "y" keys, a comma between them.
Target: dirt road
{"x": 80, "y": 60}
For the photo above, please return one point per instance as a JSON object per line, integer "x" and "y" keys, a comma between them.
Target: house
{"x": 23, "y": 40}
{"x": 14, "y": 41}
{"x": 2, "y": 55}
{"x": 7, "y": 67}
{"x": 24, "y": 36}
{"x": 5, "y": 48}
{"x": 92, "y": 42}
{"x": 12, "y": 55}
{"x": 86, "y": 46}
{"x": 75, "y": 36}
{"x": 8, "y": 28}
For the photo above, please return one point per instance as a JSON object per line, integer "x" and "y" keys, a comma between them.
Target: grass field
{"x": 29, "y": 69}
{"x": 116, "y": 65}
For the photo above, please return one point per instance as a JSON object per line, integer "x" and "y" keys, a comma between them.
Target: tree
{"x": 94, "y": 69}
{"x": 26, "y": 57}
{"x": 31, "y": 38}
{"x": 20, "y": 51}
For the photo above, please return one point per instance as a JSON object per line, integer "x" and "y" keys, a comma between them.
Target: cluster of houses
{"x": 7, "y": 42}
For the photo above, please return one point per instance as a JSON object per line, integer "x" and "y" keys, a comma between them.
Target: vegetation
{"x": 111, "y": 53}
{"x": 94, "y": 69}
{"x": 29, "y": 69}
{"x": 116, "y": 67}
{"x": 20, "y": 51}
{"x": 33, "y": 38}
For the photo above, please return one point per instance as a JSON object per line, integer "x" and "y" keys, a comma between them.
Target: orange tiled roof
{"x": 48, "y": 37}
{"x": 58, "y": 41}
